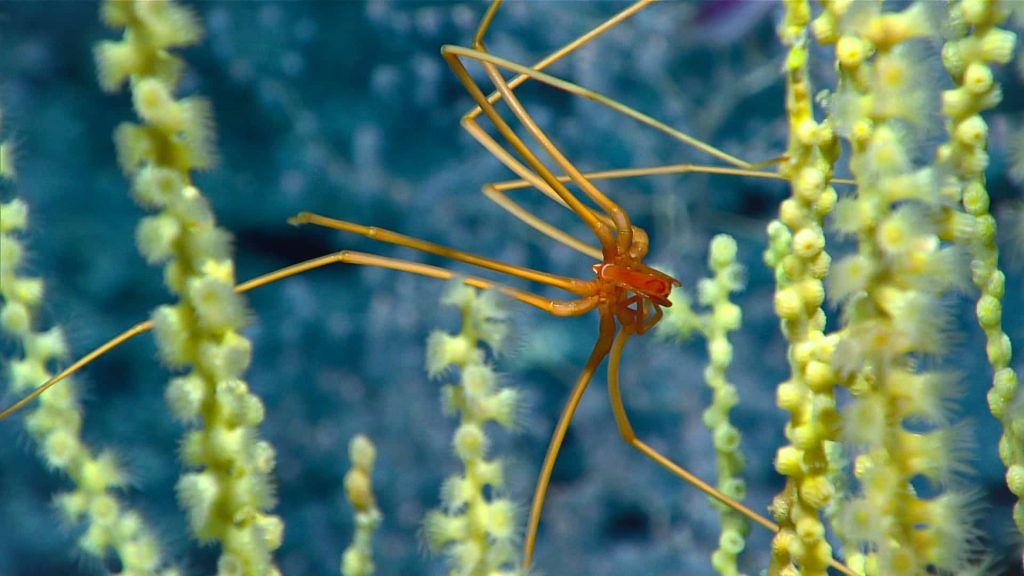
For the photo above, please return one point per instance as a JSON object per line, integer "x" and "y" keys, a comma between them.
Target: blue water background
{"x": 348, "y": 109}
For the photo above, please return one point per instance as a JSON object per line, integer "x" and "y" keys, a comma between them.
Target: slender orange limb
{"x": 629, "y": 436}
{"x": 669, "y": 169}
{"x": 527, "y": 175}
{"x": 530, "y": 178}
{"x": 571, "y": 285}
{"x": 491, "y": 145}
{"x": 537, "y": 182}
{"x": 452, "y": 51}
{"x": 555, "y": 307}
{"x": 495, "y": 192}
{"x": 140, "y": 328}
{"x": 535, "y": 72}
{"x": 621, "y": 221}
{"x": 601, "y": 348}
{"x": 623, "y": 227}
{"x": 557, "y": 54}
{"x": 660, "y": 171}
{"x": 575, "y": 307}
{"x": 524, "y": 215}
{"x": 603, "y": 234}
{"x": 744, "y": 168}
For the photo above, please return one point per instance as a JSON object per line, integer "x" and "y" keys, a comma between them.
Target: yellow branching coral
{"x": 476, "y": 528}
{"x": 968, "y": 58}
{"x": 358, "y": 557}
{"x": 55, "y": 424}
{"x": 723, "y": 317}
{"x": 891, "y": 290}
{"x": 797, "y": 254}
{"x": 228, "y": 489}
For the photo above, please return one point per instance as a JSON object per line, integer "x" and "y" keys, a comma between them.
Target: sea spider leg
{"x": 496, "y": 192}
{"x": 619, "y": 216}
{"x": 542, "y": 181}
{"x": 515, "y": 209}
{"x": 571, "y": 285}
{"x": 629, "y": 436}
{"x": 575, "y": 307}
{"x": 604, "y": 235}
{"x": 482, "y": 56}
{"x": 535, "y": 72}
{"x": 667, "y": 169}
{"x": 535, "y": 181}
{"x": 621, "y": 223}
{"x": 543, "y": 178}
{"x": 140, "y": 328}
{"x": 742, "y": 167}
{"x": 608, "y": 24}
{"x": 623, "y": 227}
{"x": 491, "y": 145}
{"x": 597, "y": 355}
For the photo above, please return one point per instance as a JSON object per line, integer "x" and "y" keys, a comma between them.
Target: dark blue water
{"x": 348, "y": 109}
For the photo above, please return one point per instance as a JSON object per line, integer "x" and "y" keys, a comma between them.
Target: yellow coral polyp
{"x": 972, "y": 131}
{"x": 1015, "y": 479}
{"x": 444, "y": 350}
{"x": 504, "y": 407}
{"x": 15, "y": 318}
{"x": 852, "y": 50}
{"x": 217, "y": 306}
{"x": 788, "y": 304}
{"x": 470, "y": 442}
{"x": 890, "y": 29}
{"x": 441, "y": 529}
{"x": 977, "y": 78}
{"x": 789, "y": 461}
{"x": 997, "y": 45}
{"x": 156, "y": 237}
{"x": 819, "y": 376}
{"x": 500, "y": 519}
{"x": 198, "y": 492}
{"x": 101, "y": 473}
{"x": 224, "y": 359}
{"x": 185, "y": 396}
{"x": 809, "y": 184}
{"x": 817, "y": 491}
{"x": 115, "y": 62}
{"x": 154, "y": 104}
{"x": 167, "y": 24}
{"x": 157, "y": 186}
